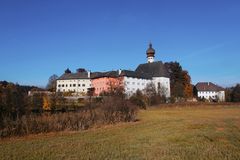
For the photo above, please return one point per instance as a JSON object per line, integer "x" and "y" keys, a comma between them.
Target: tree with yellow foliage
{"x": 46, "y": 103}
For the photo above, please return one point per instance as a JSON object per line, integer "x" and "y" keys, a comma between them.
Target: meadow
{"x": 190, "y": 132}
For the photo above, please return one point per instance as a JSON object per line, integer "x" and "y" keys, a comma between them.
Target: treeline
{"x": 14, "y": 101}
{"x": 41, "y": 112}
{"x": 233, "y": 94}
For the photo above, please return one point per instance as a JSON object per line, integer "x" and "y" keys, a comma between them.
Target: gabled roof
{"x": 79, "y": 75}
{"x": 208, "y": 86}
{"x": 155, "y": 69}
{"x": 134, "y": 74}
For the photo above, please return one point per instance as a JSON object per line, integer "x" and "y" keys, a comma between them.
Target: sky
{"x": 39, "y": 38}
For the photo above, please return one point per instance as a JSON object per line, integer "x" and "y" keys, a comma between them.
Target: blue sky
{"x": 39, "y": 38}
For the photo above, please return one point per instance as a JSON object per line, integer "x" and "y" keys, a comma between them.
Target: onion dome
{"x": 150, "y": 51}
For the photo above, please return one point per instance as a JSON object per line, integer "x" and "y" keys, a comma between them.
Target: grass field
{"x": 169, "y": 133}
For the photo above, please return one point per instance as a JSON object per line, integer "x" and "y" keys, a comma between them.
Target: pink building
{"x": 104, "y": 82}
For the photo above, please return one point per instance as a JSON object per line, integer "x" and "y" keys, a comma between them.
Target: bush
{"x": 116, "y": 109}
{"x": 35, "y": 124}
{"x": 111, "y": 110}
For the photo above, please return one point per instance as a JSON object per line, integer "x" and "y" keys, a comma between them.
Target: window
{"x": 83, "y": 85}
{"x": 138, "y": 83}
{"x": 127, "y": 82}
{"x": 79, "y": 85}
{"x": 133, "y": 82}
{"x": 74, "y": 85}
{"x": 59, "y": 85}
{"x": 62, "y": 85}
{"x": 66, "y": 85}
{"x": 70, "y": 85}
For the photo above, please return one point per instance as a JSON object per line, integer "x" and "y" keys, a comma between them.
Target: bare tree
{"x": 52, "y": 83}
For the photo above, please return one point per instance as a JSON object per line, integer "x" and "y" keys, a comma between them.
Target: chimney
{"x": 208, "y": 83}
{"x": 119, "y": 71}
{"x": 89, "y": 73}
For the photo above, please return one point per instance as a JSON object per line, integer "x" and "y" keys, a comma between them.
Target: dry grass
{"x": 194, "y": 133}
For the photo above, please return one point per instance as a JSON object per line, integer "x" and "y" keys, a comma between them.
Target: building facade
{"x": 105, "y": 81}
{"x": 78, "y": 82}
{"x": 131, "y": 81}
{"x": 210, "y": 91}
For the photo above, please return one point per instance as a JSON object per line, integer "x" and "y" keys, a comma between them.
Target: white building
{"x": 157, "y": 71}
{"x": 78, "y": 82}
{"x": 150, "y": 72}
{"x": 134, "y": 81}
{"x": 210, "y": 91}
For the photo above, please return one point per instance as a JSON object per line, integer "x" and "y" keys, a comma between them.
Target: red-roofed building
{"x": 208, "y": 90}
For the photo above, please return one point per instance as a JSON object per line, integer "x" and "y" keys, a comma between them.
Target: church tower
{"x": 150, "y": 54}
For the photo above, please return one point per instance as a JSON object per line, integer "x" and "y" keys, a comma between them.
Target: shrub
{"x": 139, "y": 100}
{"x": 112, "y": 110}
{"x": 116, "y": 109}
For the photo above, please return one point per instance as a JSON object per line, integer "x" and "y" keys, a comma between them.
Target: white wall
{"x": 221, "y": 96}
{"x": 150, "y": 59}
{"x": 164, "y": 85}
{"x": 131, "y": 85}
{"x": 212, "y": 94}
{"x": 81, "y": 85}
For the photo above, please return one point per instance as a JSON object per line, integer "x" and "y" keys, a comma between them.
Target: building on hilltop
{"x": 131, "y": 81}
{"x": 210, "y": 91}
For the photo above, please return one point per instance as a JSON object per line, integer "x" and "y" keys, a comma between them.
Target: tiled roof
{"x": 112, "y": 74}
{"x": 155, "y": 69}
{"x": 79, "y": 75}
{"x": 208, "y": 86}
{"x": 134, "y": 74}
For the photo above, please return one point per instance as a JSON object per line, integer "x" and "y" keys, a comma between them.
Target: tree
{"x": 154, "y": 95}
{"x": 188, "y": 88}
{"x": 180, "y": 81}
{"x": 236, "y": 93}
{"x": 12, "y": 101}
{"x": 52, "y": 83}
{"x": 228, "y": 94}
{"x": 46, "y": 103}
{"x": 36, "y": 102}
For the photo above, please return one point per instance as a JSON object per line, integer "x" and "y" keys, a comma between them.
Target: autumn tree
{"x": 46, "y": 103}
{"x": 188, "y": 88}
{"x": 180, "y": 81}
